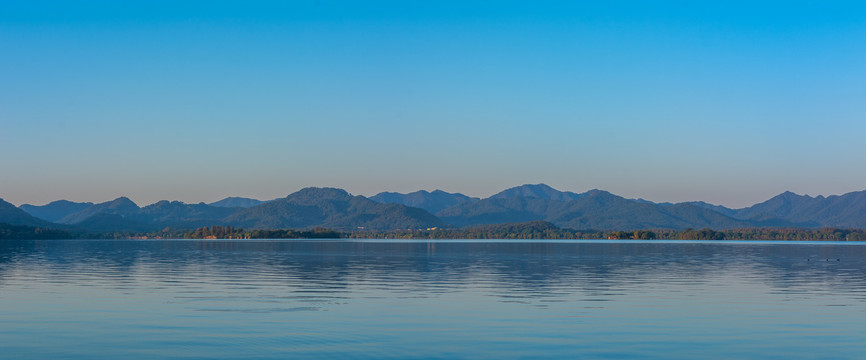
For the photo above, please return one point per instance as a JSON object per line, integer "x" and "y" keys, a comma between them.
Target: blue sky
{"x": 727, "y": 102}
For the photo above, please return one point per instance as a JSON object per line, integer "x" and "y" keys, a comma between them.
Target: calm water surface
{"x": 448, "y": 299}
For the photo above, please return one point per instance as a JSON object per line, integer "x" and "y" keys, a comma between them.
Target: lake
{"x": 250, "y": 299}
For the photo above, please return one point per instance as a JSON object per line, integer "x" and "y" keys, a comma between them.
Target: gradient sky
{"x": 729, "y": 102}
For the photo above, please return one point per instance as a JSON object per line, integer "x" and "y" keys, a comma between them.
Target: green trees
{"x": 229, "y": 232}
{"x": 644, "y": 235}
{"x": 215, "y": 232}
{"x": 534, "y": 230}
{"x": 702, "y": 234}
{"x": 544, "y": 230}
{"x": 21, "y": 232}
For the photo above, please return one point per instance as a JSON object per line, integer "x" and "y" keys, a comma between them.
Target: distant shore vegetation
{"x": 535, "y": 230}
{"x": 32, "y": 233}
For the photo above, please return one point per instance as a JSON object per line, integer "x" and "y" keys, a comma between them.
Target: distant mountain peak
{"x": 12, "y": 215}
{"x": 315, "y": 195}
{"x": 533, "y": 187}
{"x": 332, "y": 208}
{"x": 120, "y": 206}
{"x": 123, "y": 201}
{"x": 792, "y": 195}
{"x": 322, "y": 192}
{"x": 537, "y": 191}
{"x": 167, "y": 203}
{"x": 432, "y": 201}
{"x": 60, "y": 202}
{"x": 539, "y": 186}
{"x": 235, "y": 201}
{"x": 54, "y": 210}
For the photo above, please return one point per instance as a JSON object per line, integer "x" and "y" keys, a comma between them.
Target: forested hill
{"x": 432, "y": 201}
{"x": 334, "y": 209}
{"x": 56, "y": 210}
{"x": 9, "y": 214}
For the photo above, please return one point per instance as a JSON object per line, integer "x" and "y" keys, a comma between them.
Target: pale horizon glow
{"x": 728, "y": 102}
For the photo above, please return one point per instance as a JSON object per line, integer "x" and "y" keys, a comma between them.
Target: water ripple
{"x": 343, "y": 299}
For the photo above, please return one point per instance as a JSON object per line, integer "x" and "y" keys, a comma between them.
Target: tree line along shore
{"x": 535, "y": 230}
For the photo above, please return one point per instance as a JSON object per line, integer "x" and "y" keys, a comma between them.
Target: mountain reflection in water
{"x": 374, "y": 299}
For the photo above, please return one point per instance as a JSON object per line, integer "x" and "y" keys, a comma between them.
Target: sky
{"x": 729, "y": 102}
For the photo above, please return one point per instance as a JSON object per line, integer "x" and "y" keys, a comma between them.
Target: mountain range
{"x": 56, "y": 210}
{"x": 433, "y": 202}
{"x": 337, "y": 209}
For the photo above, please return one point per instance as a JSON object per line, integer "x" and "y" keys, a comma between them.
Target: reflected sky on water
{"x": 443, "y": 299}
